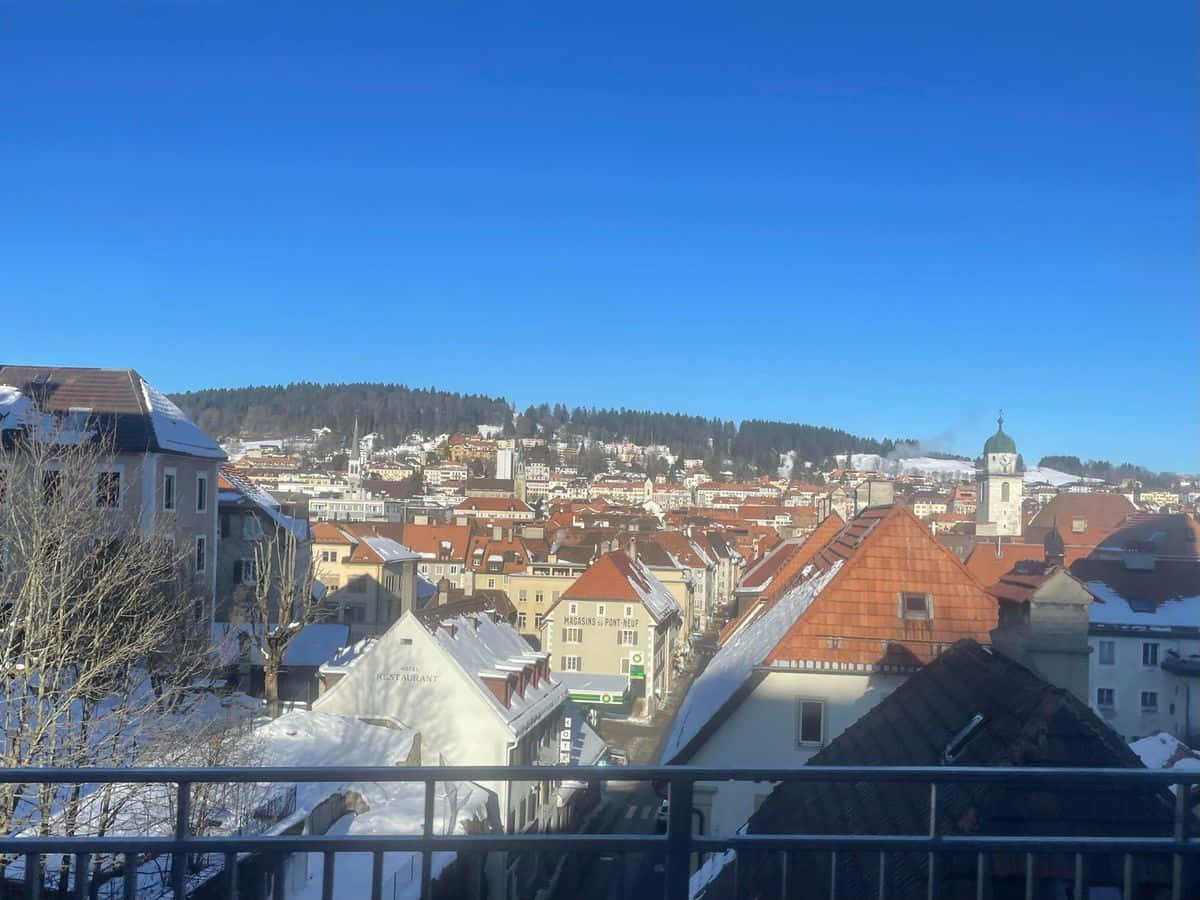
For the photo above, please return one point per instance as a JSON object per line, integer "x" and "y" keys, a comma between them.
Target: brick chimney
{"x": 499, "y": 684}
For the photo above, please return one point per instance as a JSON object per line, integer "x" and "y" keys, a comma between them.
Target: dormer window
{"x": 1078, "y": 526}
{"x": 916, "y": 606}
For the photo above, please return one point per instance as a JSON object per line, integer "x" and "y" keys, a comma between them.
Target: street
{"x": 613, "y": 876}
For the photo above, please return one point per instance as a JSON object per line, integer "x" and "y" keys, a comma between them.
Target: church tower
{"x": 998, "y": 505}
{"x": 354, "y": 460}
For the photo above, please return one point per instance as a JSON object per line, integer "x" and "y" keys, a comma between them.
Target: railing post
{"x": 83, "y": 862}
{"x": 933, "y": 830}
{"x": 33, "y": 876}
{"x": 1182, "y": 793}
{"x": 426, "y": 853}
{"x": 679, "y": 838}
{"x": 183, "y": 802}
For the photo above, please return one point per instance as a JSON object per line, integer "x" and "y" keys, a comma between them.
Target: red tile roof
{"x": 884, "y": 552}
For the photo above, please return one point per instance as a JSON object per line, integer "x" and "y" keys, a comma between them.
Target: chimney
{"x": 498, "y": 684}
{"x": 442, "y": 597}
{"x": 633, "y": 548}
{"x": 468, "y": 584}
{"x": 449, "y": 628}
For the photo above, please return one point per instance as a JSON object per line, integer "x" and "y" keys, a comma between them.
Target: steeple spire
{"x": 1000, "y": 420}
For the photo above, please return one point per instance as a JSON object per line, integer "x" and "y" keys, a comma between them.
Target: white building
{"x": 998, "y": 510}
{"x": 473, "y": 688}
{"x": 505, "y": 463}
{"x": 1144, "y": 635}
{"x": 879, "y": 600}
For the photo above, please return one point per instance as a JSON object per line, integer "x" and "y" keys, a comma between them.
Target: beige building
{"x": 614, "y": 629}
{"x": 372, "y": 579}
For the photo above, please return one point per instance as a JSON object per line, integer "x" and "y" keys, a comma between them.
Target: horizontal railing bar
{"x": 923, "y": 774}
{"x": 588, "y": 843}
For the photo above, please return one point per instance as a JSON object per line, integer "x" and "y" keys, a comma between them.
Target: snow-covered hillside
{"x": 940, "y": 469}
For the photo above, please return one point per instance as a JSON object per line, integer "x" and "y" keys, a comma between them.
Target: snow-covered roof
{"x": 245, "y": 487}
{"x": 313, "y": 645}
{"x": 480, "y": 645}
{"x": 744, "y": 651}
{"x": 1165, "y": 751}
{"x": 1114, "y": 609}
{"x": 174, "y": 430}
{"x": 17, "y": 411}
{"x": 389, "y": 550}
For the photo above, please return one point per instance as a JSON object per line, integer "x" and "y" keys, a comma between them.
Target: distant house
{"x": 371, "y": 577}
{"x": 488, "y": 508}
{"x": 162, "y": 474}
{"x": 616, "y": 624}
{"x": 878, "y": 601}
{"x": 970, "y": 707}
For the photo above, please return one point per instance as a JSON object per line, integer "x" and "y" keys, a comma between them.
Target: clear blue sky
{"x": 890, "y": 219}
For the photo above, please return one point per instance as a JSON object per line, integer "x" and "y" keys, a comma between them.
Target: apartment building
{"x": 161, "y": 471}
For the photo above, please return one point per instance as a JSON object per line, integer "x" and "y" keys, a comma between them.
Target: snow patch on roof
{"x": 174, "y": 430}
{"x": 18, "y": 412}
{"x": 1114, "y": 609}
{"x": 653, "y": 594}
{"x": 738, "y": 657}
{"x": 1165, "y": 751}
{"x": 389, "y": 550}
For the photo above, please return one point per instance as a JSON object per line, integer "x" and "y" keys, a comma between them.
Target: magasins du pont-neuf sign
{"x": 601, "y": 622}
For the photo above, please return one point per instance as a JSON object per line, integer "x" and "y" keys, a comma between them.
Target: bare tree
{"x": 98, "y": 637}
{"x": 287, "y": 596}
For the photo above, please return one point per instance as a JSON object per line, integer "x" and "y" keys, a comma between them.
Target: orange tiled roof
{"x": 884, "y": 552}
{"x": 988, "y": 565}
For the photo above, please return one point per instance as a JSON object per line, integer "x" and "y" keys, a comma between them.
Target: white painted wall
{"x": 1127, "y": 677}
{"x": 762, "y": 732}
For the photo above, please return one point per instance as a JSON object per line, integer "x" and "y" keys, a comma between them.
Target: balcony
{"x": 1174, "y": 851}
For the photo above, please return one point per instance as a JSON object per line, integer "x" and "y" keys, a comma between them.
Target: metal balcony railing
{"x": 676, "y": 846}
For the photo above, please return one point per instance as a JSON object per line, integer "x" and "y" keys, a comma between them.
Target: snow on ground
{"x": 941, "y": 469}
{"x": 737, "y": 658}
{"x": 489, "y": 431}
{"x": 1053, "y": 477}
{"x": 1165, "y": 751}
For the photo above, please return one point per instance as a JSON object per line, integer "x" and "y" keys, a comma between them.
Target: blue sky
{"x": 891, "y": 219}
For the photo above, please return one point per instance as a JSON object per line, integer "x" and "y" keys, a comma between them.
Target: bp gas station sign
{"x": 637, "y": 667}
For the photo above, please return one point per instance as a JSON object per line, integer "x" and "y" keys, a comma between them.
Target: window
{"x": 538, "y": 597}
{"x": 201, "y": 492}
{"x": 627, "y": 638}
{"x": 1004, "y": 492}
{"x": 537, "y": 620}
{"x": 1149, "y": 654}
{"x": 1108, "y": 653}
{"x": 224, "y": 521}
{"x": 810, "y": 721}
{"x": 201, "y": 553}
{"x": 573, "y": 609}
{"x": 570, "y": 664}
{"x": 916, "y": 606}
{"x": 244, "y": 571}
{"x": 1104, "y": 697}
{"x": 522, "y": 621}
{"x": 572, "y": 635}
{"x": 252, "y": 528}
{"x": 169, "y": 489}
{"x": 522, "y": 595}
{"x": 1078, "y": 526}
{"x": 1149, "y": 701}
{"x": 833, "y": 643}
{"x": 108, "y": 489}
{"x": 629, "y": 612}
{"x": 491, "y": 582}
{"x": 625, "y": 666}
{"x": 600, "y": 610}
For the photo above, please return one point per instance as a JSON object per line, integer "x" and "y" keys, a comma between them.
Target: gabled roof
{"x": 88, "y": 403}
{"x": 789, "y": 558}
{"x": 1103, "y": 513}
{"x": 494, "y": 505}
{"x": 614, "y": 576}
{"x": 429, "y": 540}
{"x": 1025, "y": 722}
{"x": 989, "y": 563}
{"x": 1142, "y": 592}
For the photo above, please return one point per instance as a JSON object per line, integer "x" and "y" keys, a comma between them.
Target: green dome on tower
{"x": 999, "y": 442}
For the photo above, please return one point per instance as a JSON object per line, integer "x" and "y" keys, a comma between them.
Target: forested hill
{"x": 395, "y": 411}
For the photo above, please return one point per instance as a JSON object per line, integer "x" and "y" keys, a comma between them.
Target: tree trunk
{"x": 271, "y": 687}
